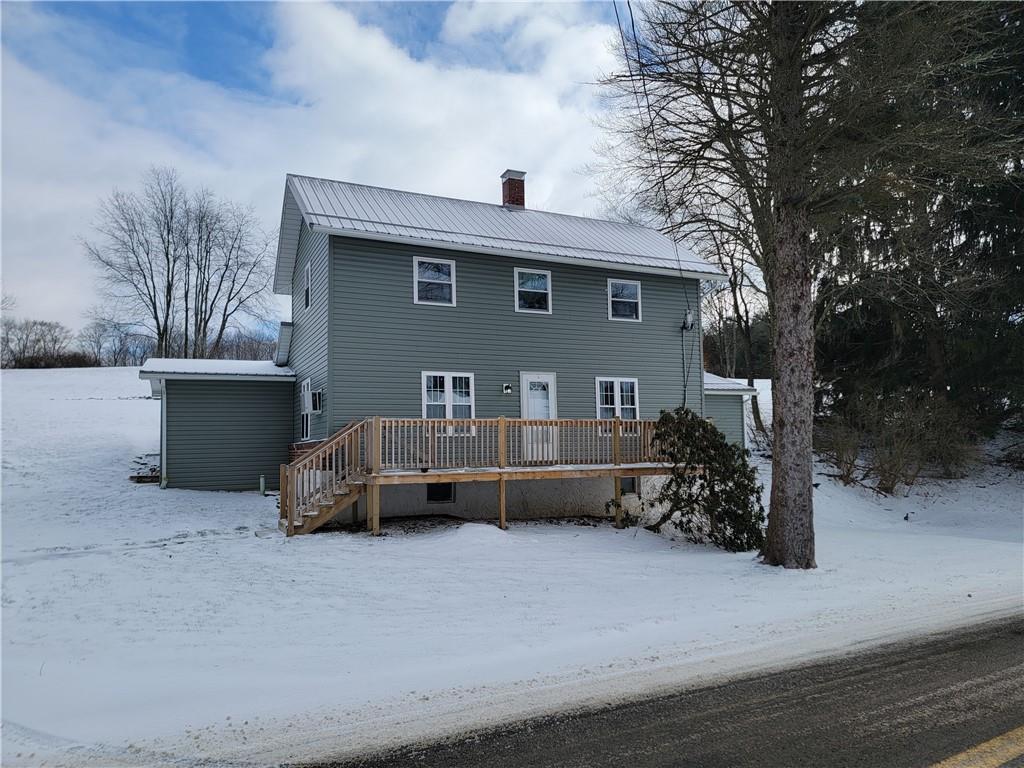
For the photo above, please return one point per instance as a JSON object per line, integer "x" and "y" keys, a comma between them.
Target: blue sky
{"x": 434, "y": 97}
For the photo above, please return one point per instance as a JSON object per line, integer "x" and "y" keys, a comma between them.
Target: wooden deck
{"x": 377, "y": 451}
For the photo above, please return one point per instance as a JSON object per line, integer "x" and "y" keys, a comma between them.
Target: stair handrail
{"x": 317, "y": 475}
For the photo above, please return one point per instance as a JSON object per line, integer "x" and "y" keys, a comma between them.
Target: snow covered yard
{"x": 143, "y": 626}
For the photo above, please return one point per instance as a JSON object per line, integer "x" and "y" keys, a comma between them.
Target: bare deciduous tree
{"x": 182, "y": 267}
{"x": 33, "y": 343}
{"x": 94, "y": 339}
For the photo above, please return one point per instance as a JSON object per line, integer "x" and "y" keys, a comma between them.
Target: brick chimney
{"x": 513, "y": 189}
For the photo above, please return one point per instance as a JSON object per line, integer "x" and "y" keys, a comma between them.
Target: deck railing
{"x": 376, "y": 444}
{"x": 411, "y": 444}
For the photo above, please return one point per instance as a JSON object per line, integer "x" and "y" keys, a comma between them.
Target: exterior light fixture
{"x": 506, "y": 389}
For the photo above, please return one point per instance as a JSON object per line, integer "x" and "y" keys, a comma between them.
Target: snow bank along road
{"x": 958, "y": 695}
{"x": 143, "y": 626}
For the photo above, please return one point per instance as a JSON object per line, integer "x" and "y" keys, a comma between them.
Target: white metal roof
{"x": 169, "y": 367}
{"x": 717, "y": 385}
{"x": 356, "y": 210}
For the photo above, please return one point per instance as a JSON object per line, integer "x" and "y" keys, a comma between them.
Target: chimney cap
{"x": 510, "y": 174}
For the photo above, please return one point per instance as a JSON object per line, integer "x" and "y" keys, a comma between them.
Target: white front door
{"x": 539, "y": 400}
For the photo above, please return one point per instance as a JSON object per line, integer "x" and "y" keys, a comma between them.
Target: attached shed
{"x": 223, "y": 423}
{"x": 724, "y": 404}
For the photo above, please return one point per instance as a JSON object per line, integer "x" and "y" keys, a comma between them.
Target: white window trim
{"x": 307, "y": 292}
{"x": 618, "y": 394}
{"x": 516, "y": 289}
{"x": 639, "y": 301}
{"x": 305, "y": 408}
{"x": 449, "y": 375}
{"x": 316, "y": 399}
{"x": 416, "y": 281}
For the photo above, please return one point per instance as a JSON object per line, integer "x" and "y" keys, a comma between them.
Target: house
{"x": 438, "y": 347}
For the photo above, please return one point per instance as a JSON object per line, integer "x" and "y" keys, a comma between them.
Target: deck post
{"x": 283, "y": 493}
{"x": 501, "y": 446}
{"x": 373, "y": 509}
{"x": 616, "y": 442}
{"x": 293, "y": 500}
{"x": 375, "y": 454}
{"x": 618, "y": 502}
{"x": 501, "y": 503}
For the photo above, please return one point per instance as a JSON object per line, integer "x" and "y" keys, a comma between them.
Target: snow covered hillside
{"x": 148, "y": 626}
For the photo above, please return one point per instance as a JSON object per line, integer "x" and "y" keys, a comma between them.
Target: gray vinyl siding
{"x": 307, "y": 355}
{"x": 727, "y": 413}
{"x": 223, "y": 435}
{"x": 381, "y": 340}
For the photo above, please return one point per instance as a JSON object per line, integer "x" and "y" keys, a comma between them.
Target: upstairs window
{"x": 617, "y": 398}
{"x": 448, "y": 395}
{"x": 307, "y": 291}
{"x": 434, "y": 282}
{"x": 317, "y": 401}
{"x": 533, "y": 290}
{"x": 624, "y": 300}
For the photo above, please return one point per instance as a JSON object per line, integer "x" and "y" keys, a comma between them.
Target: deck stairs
{"x": 323, "y": 482}
{"x": 323, "y": 512}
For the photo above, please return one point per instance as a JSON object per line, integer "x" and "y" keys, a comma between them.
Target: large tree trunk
{"x": 790, "y": 539}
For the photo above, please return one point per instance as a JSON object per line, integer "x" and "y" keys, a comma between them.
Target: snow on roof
{"x": 714, "y": 385}
{"x": 169, "y": 367}
{"x": 378, "y": 213}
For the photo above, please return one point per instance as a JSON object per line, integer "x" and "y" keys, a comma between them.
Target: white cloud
{"x": 352, "y": 105}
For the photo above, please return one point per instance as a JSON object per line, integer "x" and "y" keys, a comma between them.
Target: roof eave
{"x": 525, "y": 255}
{"x": 162, "y": 376}
{"x": 285, "y": 253}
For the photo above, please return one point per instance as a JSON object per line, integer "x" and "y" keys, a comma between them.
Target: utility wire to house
{"x": 687, "y": 360}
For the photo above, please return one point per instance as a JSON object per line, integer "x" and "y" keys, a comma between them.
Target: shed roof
{"x": 169, "y": 367}
{"x": 718, "y": 385}
{"x": 377, "y": 213}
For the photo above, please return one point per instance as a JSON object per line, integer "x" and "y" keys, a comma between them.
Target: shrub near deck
{"x": 224, "y": 434}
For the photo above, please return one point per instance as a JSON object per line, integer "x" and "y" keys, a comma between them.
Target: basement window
{"x": 630, "y": 485}
{"x": 440, "y": 493}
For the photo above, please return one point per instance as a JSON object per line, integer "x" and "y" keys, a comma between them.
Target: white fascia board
{"x": 737, "y": 391}
{"x": 155, "y": 375}
{"x": 524, "y": 255}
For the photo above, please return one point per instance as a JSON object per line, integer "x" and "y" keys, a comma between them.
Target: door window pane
{"x": 539, "y": 406}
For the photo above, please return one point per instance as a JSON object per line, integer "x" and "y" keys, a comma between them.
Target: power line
{"x": 687, "y": 359}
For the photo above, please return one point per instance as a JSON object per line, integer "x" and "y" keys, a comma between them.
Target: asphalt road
{"x": 908, "y": 704}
